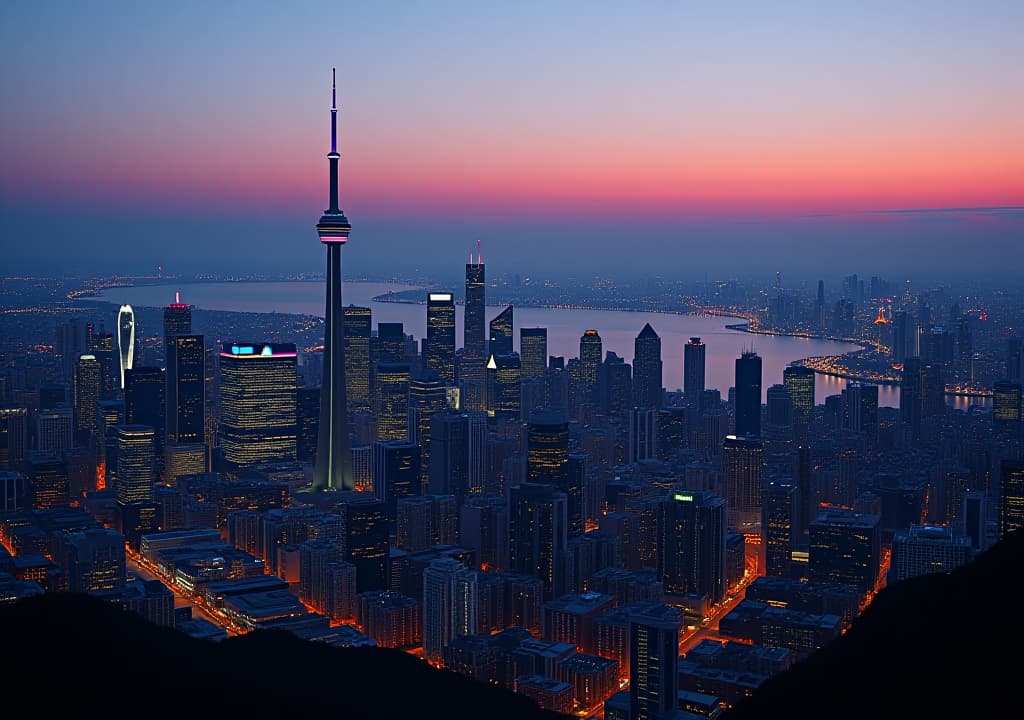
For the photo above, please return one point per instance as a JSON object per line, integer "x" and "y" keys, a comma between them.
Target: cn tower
{"x": 333, "y": 469}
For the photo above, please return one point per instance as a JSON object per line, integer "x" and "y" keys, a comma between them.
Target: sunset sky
{"x": 664, "y": 137}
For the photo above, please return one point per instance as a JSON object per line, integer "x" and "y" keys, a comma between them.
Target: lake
{"x": 618, "y": 329}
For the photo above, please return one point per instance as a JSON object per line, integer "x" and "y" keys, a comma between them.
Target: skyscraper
{"x": 926, "y": 549}
{"x": 778, "y": 429}
{"x": 1011, "y": 496}
{"x": 177, "y": 319}
{"x": 145, "y": 403}
{"x": 449, "y": 605}
{"x": 95, "y": 560}
{"x": 440, "y": 350}
{"x": 845, "y": 548}
{"x": 642, "y": 434}
{"x": 647, "y": 379}
{"x": 474, "y": 337}
{"x": 126, "y": 339}
{"x": 474, "y": 333}
{"x": 186, "y": 388}
{"x": 392, "y": 390}
{"x": 87, "y": 393}
{"x": 533, "y": 351}
{"x": 590, "y": 358}
{"x": 778, "y": 515}
{"x": 427, "y": 397}
{"x": 538, "y": 534}
{"x": 922, "y": 393}
{"x": 103, "y": 349}
{"x": 136, "y": 469}
{"x": 748, "y": 394}
{"x": 694, "y": 353}
{"x": 13, "y": 436}
{"x": 800, "y": 381}
{"x": 742, "y": 460}
{"x": 900, "y": 336}
{"x": 504, "y": 399}
{"x": 307, "y": 422}
{"x": 691, "y": 544}
{"x": 396, "y": 472}
{"x": 48, "y": 481}
{"x": 258, "y": 396}
{"x": 1006, "y": 409}
{"x": 654, "y": 662}
{"x": 358, "y": 325}
{"x": 333, "y": 470}
{"x": 547, "y": 448}
{"x": 860, "y": 409}
{"x": 501, "y": 342}
{"x": 614, "y": 387}
{"x": 457, "y": 453}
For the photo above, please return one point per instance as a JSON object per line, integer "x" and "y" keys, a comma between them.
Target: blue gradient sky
{"x": 678, "y": 138}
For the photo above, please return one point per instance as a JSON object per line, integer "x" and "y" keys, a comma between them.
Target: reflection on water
{"x": 889, "y": 394}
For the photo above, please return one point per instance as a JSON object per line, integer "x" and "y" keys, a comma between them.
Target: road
{"x": 138, "y": 565}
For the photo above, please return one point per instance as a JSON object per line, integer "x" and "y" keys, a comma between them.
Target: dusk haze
{"x": 512, "y": 360}
{"x": 564, "y": 133}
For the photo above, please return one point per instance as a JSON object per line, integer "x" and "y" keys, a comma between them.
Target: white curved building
{"x": 125, "y": 338}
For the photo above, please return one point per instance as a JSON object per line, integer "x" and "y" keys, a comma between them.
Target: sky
{"x": 678, "y": 138}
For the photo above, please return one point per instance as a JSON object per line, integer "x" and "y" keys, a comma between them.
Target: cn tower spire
{"x": 333, "y": 470}
{"x": 334, "y": 112}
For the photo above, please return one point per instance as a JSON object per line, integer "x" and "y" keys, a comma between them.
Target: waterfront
{"x": 617, "y": 328}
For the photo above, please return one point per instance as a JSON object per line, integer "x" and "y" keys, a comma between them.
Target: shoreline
{"x": 745, "y": 327}
{"x": 94, "y": 296}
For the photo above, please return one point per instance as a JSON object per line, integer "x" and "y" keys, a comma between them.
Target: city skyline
{"x": 786, "y": 133}
{"x": 737, "y": 439}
